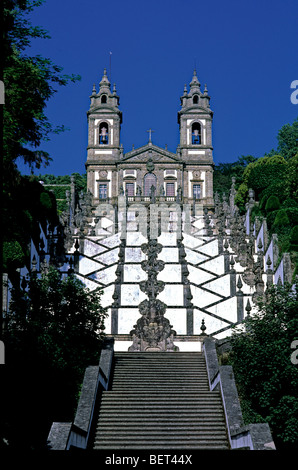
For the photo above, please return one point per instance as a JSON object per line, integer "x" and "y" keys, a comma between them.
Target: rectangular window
{"x": 196, "y": 191}
{"x": 130, "y": 189}
{"x": 103, "y": 191}
{"x": 170, "y": 189}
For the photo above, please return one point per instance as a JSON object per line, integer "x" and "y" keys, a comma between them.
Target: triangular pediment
{"x": 157, "y": 154}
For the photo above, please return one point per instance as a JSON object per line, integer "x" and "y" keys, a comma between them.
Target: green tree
{"x": 224, "y": 172}
{"x": 288, "y": 140}
{"x": 53, "y": 332}
{"x": 272, "y": 204}
{"x": 261, "y": 357}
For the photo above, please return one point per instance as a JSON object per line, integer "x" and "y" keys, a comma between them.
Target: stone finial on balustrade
{"x": 269, "y": 273}
{"x": 203, "y": 328}
{"x": 248, "y": 307}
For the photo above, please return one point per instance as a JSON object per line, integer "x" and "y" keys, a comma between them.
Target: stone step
{"x": 169, "y": 356}
{"x": 175, "y": 410}
{"x": 169, "y": 434}
{"x": 161, "y": 380}
{"x": 163, "y": 426}
{"x": 153, "y": 365}
{"x": 160, "y": 401}
{"x": 191, "y": 398}
{"x": 152, "y": 388}
{"x": 160, "y": 355}
{"x": 163, "y": 446}
{"x": 162, "y": 393}
{"x": 159, "y": 377}
{"x": 163, "y": 443}
{"x": 166, "y": 370}
{"x": 159, "y": 413}
{"x": 156, "y": 400}
{"x": 164, "y": 364}
{"x": 182, "y": 420}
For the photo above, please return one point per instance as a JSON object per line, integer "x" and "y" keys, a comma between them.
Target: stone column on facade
{"x": 120, "y": 180}
{"x": 209, "y": 185}
{"x": 180, "y": 180}
{"x": 185, "y": 185}
{"x": 114, "y": 185}
{"x": 139, "y": 181}
{"x": 209, "y": 133}
{"x": 90, "y": 181}
{"x": 91, "y": 132}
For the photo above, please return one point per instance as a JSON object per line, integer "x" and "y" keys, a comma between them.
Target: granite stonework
{"x": 212, "y": 270}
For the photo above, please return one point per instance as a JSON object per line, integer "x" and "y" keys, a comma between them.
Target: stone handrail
{"x": 63, "y": 436}
{"x": 252, "y": 436}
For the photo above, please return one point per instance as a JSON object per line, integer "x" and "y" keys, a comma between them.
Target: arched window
{"x": 196, "y": 133}
{"x": 104, "y": 99}
{"x": 195, "y": 99}
{"x": 149, "y": 181}
{"x": 103, "y": 133}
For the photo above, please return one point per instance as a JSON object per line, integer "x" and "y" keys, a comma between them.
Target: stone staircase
{"x": 160, "y": 401}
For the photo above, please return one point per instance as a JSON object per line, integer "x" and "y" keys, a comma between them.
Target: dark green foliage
{"x": 272, "y": 204}
{"x": 224, "y": 172}
{"x": 292, "y": 213}
{"x": 262, "y": 176}
{"x": 288, "y": 140}
{"x": 281, "y": 219}
{"x": 288, "y": 203}
{"x": 45, "y": 201}
{"x": 58, "y": 185}
{"x": 54, "y": 331}
{"x": 13, "y": 254}
{"x": 261, "y": 359}
{"x": 293, "y": 239}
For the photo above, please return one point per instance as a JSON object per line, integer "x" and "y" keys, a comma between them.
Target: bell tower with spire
{"x": 195, "y": 124}
{"x": 104, "y": 123}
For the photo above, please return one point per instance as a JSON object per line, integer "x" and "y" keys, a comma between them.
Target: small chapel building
{"x": 185, "y": 176}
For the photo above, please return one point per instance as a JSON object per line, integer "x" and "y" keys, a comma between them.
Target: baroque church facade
{"x": 185, "y": 176}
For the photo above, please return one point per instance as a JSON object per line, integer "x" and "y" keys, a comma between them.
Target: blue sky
{"x": 245, "y": 51}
